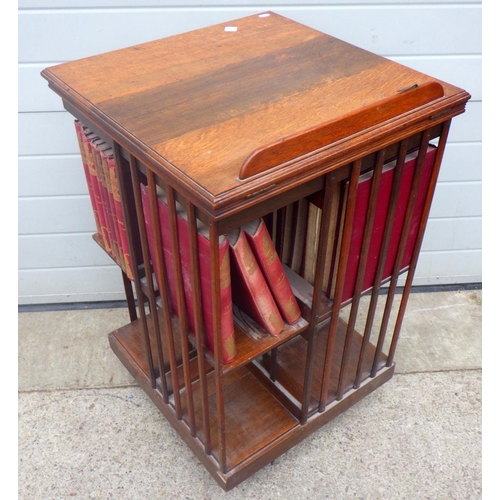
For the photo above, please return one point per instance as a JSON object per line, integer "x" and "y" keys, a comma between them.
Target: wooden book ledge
{"x": 288, "y": 148}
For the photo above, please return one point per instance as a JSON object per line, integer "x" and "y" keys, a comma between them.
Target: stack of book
{"x": 251, "y": 275}
{"x": 100, "y": 173}
{"x": 381, "y": 216}
{"x": 251, "y": 272}
{"x": 303, "y": 219}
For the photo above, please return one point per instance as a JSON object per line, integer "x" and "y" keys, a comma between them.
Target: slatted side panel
{"x": 388, "y": 220}
{"x": 163, "y": 302}
{"x": 57, "y": 262}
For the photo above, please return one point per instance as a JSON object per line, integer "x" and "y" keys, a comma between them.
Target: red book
{"x": 105, "y": 153}
{"x": 87, "y": 140}
{"x": 381, "y": 212}
{"x": 121, "y": 232}
{"x": 227, "y": 325}
{"x": 80, "y": 133}
{"x": 250, "y": 290}
{"x": 100, "y": 147}
{"x": 263, "y": 248}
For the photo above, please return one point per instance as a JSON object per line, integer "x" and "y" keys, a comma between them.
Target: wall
{"x": 58, "y": 260}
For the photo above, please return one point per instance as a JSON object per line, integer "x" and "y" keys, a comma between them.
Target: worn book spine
{"x": 381, "y": 212}
{"x": 226, "y": 300}
{"x": 121, "y": 232}
{"x": 250, "y": 290}
{"x": 166, "y": 246}
{"x": 299, "y": 239}
{"x": 83, "y": 153}
{"x": 406, "y": 182}
{"x": 96, "y": 147}
{"x": 227, "y": 324}
{"x": 272, "y": 268}
{"x": 88, "y": 138}
{"x": 104, "y": 154}
{"x": 332, "y": 236}
{"x": 311, "y": 242}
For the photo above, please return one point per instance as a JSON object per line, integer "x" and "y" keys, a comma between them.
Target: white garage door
{"x": 58, "y": 260}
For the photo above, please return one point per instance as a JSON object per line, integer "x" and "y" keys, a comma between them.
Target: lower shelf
{"x": 290, "y": 364}
{"x": 257, "y": 427}
{"x": 253, "y": 418}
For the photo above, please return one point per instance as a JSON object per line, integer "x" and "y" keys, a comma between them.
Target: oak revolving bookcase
{"x": 263, "y": 117}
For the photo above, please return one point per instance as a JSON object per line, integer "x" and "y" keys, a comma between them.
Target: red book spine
{"x": 114, "y": 230}
{"x": 272, "y": 268}
{"x": 381, "y": 212}
{"x": 226, "y": 301}
{"x": 419, "y": 204}
{"x": 121, "y": 232}
{"x": 249, "y": 288}
{"x": 96, "y": 147}
{"x": 83, "y": 153}
{"x": 87, "y": 142}
{"x": 166, "y": 246}
{"x": 227, "y": 325}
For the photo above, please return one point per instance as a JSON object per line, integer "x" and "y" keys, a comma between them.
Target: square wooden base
{"x": 258, "y": 427}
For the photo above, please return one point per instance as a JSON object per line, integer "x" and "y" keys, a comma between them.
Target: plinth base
{"x": 258, "y": 427}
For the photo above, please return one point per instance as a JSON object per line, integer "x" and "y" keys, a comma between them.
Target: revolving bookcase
{"x": 335, "y": 148}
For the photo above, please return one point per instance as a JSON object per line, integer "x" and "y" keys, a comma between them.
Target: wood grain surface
{"x": 201, "y": 103}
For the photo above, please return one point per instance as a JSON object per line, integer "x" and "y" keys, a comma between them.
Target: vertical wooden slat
{"x": 127, "y": 204}
{"x": 358, "y": 287}
{"x": 218, "y": 352}
{"x": 279, "y": 246}
{"x": 339, "y": 283}
{"x": 162, "y": 286}
{"x": 129, "y": 296}
{"x": 334, "y": 266}
{"x": 318, "y": 280}
{"x": 181, "y": 303}
{"x": 198, "y": 323}
{"x": 149, "y": 276}
{"x": 386, "y": 238}
{"x": 418, "y": 242}
{"x": 417, "y": 175}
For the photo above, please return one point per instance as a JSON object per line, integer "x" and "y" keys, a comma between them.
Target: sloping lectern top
{"x": 245, "y": 105}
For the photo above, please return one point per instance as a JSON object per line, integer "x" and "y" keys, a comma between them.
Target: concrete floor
{"x": 87, "y": 431}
